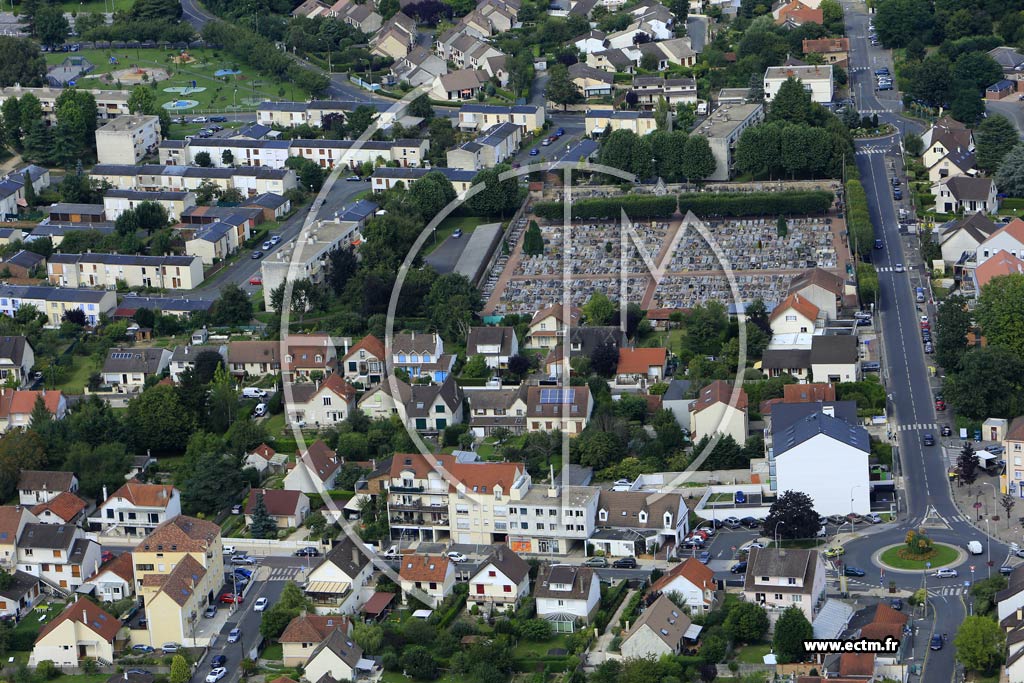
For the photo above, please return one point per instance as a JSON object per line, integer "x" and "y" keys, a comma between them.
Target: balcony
{"x": 419, "y": 521}
{"x": 417, "y": 507}
{"x": 405, "y": 489}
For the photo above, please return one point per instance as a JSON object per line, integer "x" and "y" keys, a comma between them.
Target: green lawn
{"x": 944, "y": 554}
{"x": 77, "y": 378}
{"x": 73, "y": 6}
{"x": 449, "y": 225}
{"x": 273, "y": 652}
{"x": 753, "y": 654}
{"x": 527, "y": 648}
{"x": 222, "y": 93}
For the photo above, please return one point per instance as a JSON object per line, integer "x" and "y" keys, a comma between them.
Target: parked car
{"x": 947, "y": 430}
{"x": 252, "y": 392}
{"x": 199, "y": 119}
{"x": 308, "y": 551}
{"x": 731, "y": 523}
{"x": 261, "y": 605}
{"x": 234, "y": 635}
{"x": 995, "y": 449}
{"x": 896, "y": 604}
{"x": 939, "y": 403}
{"x": 534, "y": 152}
{"x": 218, "y": 660}
{"x": 692, "y": 542}
{"x": 143, "y": 649}
{"x": 836, "y": 519}
{"x": 853, "y": 571}
{"x": 230, "y": 598}
{"x": 738, "y": 568}
{"x": 854, "y": 518}
{"x": 267, "y": 245}
{"x": 625, "y": 563}
{"x": 218, "y": 119}
{"x": 170, "y": 648}
{"x": 106, "y": 556}
{"x": 236, "y": 510}
{"x": 1006, "y": 570}
{"x": 704, "y": 557}
{"x": 457, "y": 558}
{"x": 210, "y": 612}
{"x": 874, "y": 518}
{"x": 596, "y": 562}
{"x": 751, "y": 523}
{"x": 945, "y": 574}
{"x": 256, "y": 280}
{"x": 353, "y": 179}
{"x": 257, "y": 254}
{"x": 274, "y": 239}
{"x": 216, "y": 674}
{"x": 243, "y": 572}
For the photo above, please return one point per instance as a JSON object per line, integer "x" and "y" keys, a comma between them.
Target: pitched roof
{"x": 831, "y": 349}
{"x": 23, "y": 401}
{"x": 719, "y": 391}
{"x": 183, "y": 580}
{"x": 978, "y": 226}
{"x": 557, "y": 312}
{"x": 825, "y": 279}
{"x": 320, "y": 460}
{"x": 305, "y": 392}
{"x": 181, "y": 533}
{"x": 145, "y": 360}
{"x": 808, "y": 393}
{"x": 279, "y": 503}
{"x": 22, "y": 584}
{"x": 346, "y": 556}
{"x": 666, "y": 620}
{"x": 89, "y": 614}
{"x": 820, "y": 423}
{"x": 789, "y": 563}
{"x": 1000, "y": 263}
{"x": 264, "y": 451}
{"x": 507, "y": 562}
{"x": 690, "y": 569}
{"x": 501, "y": 337}
{"x": 122, "y": 566}
{"x": 826, "y": 45}
{"x": 254, "y": 352}
{"x": 579, "y": 578}
{"x": 577, "y": 398}
{"x": 313, "y": 628}
{"x": 65, "y": 505}
{"x": 50, "y": 536}
{"x": 639, "y": 361}
{"x": 966, "y": 187}
{"x": 370, "y": 344}
{"x": 13, "y": 348}
{"x": 797, "y": 303}
{"x": 856, "y": 664}
{"x": 39, "y": 480}
{"x": 145, "y": 495}
{"x": 10, "y": 520}
{"x": 424, "y": 568}
{"x": 623, "y": 508}
{"x": 341, "y": 646}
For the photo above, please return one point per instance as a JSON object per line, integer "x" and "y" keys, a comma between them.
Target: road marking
{"x": 917, "y": 426}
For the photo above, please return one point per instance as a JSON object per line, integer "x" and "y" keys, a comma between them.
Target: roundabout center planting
{"x": 918, "y": 552}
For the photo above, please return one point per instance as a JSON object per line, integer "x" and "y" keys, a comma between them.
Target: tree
{"x": 979, "y": 643}
{"x": 311, "y": 175}
{"x": 227, "y": 158}
{"x": 214, "y": 478}
{"x": 370, "y": 637}
{"x": 501, "y": 196}
{"x": 988, "y": 384}
{"x": 341, "y": 266}
{"x": 203, "y": 159}
{"x": 604, "y": 359}
{"x": 476, "y": 367}
{"x": 747, "y": 622}
{"x": 518, "y": 366}
{"x": 50, "y": 25}
{"x": 976, "y": 70}
{"x": 20, "y": 62}
{"x": 233, "y": 307}
{"x": 1010, "y": 177}
{"x": 599, "y": 309}
{"x": 791, "y": 630}
{"x": 142, "y": 100}
{"x": 792, "y": 103}
{"x": 1000, "y": 312}
{"x": 984, "y": 592}
{"x": 157, "y": 420}
{"x": 993, "y": 139}
{"x": 560, "y": 89}
{"x": 40, "y": 416}
{"x": 931, "y": 80}
{"x": 422, "y": 108}
{"x": 263, "y": 525}
{"x": 954, "y": 322}
{"x": 967, "y": 465}
{"x": 359, "y": 120}
{"x": 417, "y": 662}
{"x": 180, "y": 670}
{"x": 898, "y": 22}
{"x": 19, "y": 450}
{"x": 97, "y": 467}
{"x": 967, "y": 106}
{"x": 793, "y": 513}
{"x": 1007, "y": 502}
{"x": 533, "y": 241}
{"x": 451, "y": 304}
{"x": 222, "y": 400}
{"x": 430, "y": 194}
{"x": 698, "y": 161}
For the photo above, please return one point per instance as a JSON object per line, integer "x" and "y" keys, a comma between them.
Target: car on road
{"x": 874, "y": 518}
{"x": 230, "y": 598}
{"x": 879, "y": 244}
{"x": 546, "y": 142}
{"x": 704, "y": 557}
{"x": 234, "y": 635}
{"x": 257, "y": 254}
{"x": 353, "y": 179}
{"x": 534, "y": 152}
{"x": 896, "y": 604}
{"x": 837, "y": 551}
{"x": 928, "y": 439}
{"x": 939, "y": 403}
{"x": 256, "y": 280}
{"x": 853, "y": 571}
{"x": 1006, "y": 570}
{"x": 945, "y": 574}
{"x": 457, "y": 234}
{"x": 596, "y": 562}
{"x": 242, "y": 559}
{"x": 218, "y": 660}
{"x": 216, "y": 674}
{"x": 210, "y": 612}
{"x": 899, "y": 267}
{"x": 243, "y": 572}
{"x": 267, "y": 245}
{"x": 143, "y": 649}
{"x": 936, "y": 642}
{"x": 456, "y": 557}
{"x": 739, "y": 568}
{"x": 199, "y": 119}
{"x": 947, "y": 430}
{"x": 169, "y": 648}
{"x": 560, "y": 132}
{"x": 218, "y": 119}
{"x": 308, "y": 551}
{"x": 625, "y": 563}
{"x": 138, "y": 672}
{"x": 731, "y": 523}
{"x": 261, "y": 604}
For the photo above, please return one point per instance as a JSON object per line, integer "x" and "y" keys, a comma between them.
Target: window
{"x": 327, "y": 400}
{"x": 507, "y": 589}
{"x": 778, "y": 596}
{"x": 792, "y": 581}
{"x": 439, "y": 408}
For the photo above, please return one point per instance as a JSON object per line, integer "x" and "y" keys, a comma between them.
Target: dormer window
{"x": 668, "y": 520}
{"x": 643, "y": 517}
{"x": 602, "y": 515}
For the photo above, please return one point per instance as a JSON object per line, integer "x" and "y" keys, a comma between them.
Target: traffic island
{"x": 898, "y": 558}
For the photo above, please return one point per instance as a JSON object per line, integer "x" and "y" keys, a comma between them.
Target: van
{"x": 253, "y": 392}
{"x": 974, "y": 547}
{"x": 920, "y": 295}
{"x": 260, "y": 410}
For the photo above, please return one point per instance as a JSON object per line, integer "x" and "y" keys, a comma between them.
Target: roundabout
{"x": 895, "y": 558}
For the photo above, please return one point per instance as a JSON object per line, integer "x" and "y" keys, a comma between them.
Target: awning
{"x": 693, "y": 632}
{"x": 86, "y": 588}
{"x": 366, "y": 664}
{"x": 21, "y": 202}
{"x": 328, "y": 587}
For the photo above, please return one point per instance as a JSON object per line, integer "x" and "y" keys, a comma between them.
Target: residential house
{"x": 834, "y": 358}
{"x": 832, "y": 50}
{"x": 126, "y": 370}
{"x": 135, "y": 509}
{"x": 550, "y": 325}
{"x": 959, "y": 162}
{"x": 396, "y": 37}
{"x": 658, "y": 631}
{"x": 263, "y": 458}
{"x": 59, "y": 554}
{"x": 495, "y": 344}
{"x": 641, "y": 367}
{"x": 964, "y": 236}
{"x": 20, "y": 596}
{"x": 476, "y": 117}
{"x": 600, "y": 121}
{"x": 494, "y": 408}
{"x": 1009, "y": 58}
{"x": 386, "y": 398}
{"x": 432, "y": 407}
{"x": 1012, "y": 480}
{"x": 184, "y": 358}
{"x": 583, "y": 341}
{"x": 816, "y": 79}
{"x": 798, "y": 12}
{"x": 287, "y": 508}
{"x": 340, "y": 583}
{"x": 23, "y": 264}
{"x": 719, "y": 409}
{"x": 65, "y": 508}
{"x": 591, "y": 82}
{"x": 965, "y": 194}
{"x": 458, "y": 86}
{"x": 826, "y": 458}
{"x": 172, "y": 599}
{"x": 254, "y": 358}
{"x": 675, "y": 91}
{"x": 780, "y": 578}
{"x": 492, "y": 147}
{"x": 337, "y": 658}
{"x": 565, "y": 408}
{"x": 13, "y": 519}
{"x": 819, "y": 287}
{"x": 945, "y": 137}
{"x": 793, "y": 315}
{"x": 38, "y": 486}
{"x": 500, "y": 582}
{"x": 17, "y": 358}
{"x": 632, "y": 523}
{"x": 315, "y": 471}
{"x": 692, "y": 580}
{"x": 1008, "y": 238}
{"x": 307, "y": 354}
{"x": 320, "y": 403}
{"x": 84, "y": 630}
{"x": 428, "y": 578}
{"x": 590, "y": 42}
{"x": 115, "y": 580}
{"x": 418, "y": 66}
{"x": 304, "y": 633}
{"x": 1002, "y": 263}
{"x": 421, "y": 354}
{"x": 16, "y": 406}
{"x": 55, "y": 302}
{"x": 567, "y": 596}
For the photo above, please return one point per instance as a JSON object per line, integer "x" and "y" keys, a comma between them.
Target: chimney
{"x": 105, "y": 492}
{"x": 1020, "y": 614}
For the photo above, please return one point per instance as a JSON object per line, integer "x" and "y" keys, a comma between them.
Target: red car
{"x": 940, "y": 404}
{"x": 228, "y": 598}
{"x": 255, "y": 280}
{"x": 106, "y": 556}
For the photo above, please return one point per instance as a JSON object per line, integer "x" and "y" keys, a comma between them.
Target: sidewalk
{"x": 990, "y": 517}
{"x": 601, "y": 650}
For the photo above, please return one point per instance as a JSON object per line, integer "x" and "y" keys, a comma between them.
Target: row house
{"x": 497, "y": 408}
{"x": 386, "y": 177}
{"x": 55, "y": 302}
{"x": 110, "y": 104}
{"x": 419, "y": 66}
{"x": 492, "y": 147}
{"x": 307, "y": 257}
{"x": 275, "y": 153}
{"x": 250, "y": 181}
{"x": 395, "y": 38}
{"x": 109, "y": 271}
{"x": 174, "y": 202}
{"x": 184, "y": 357}
{"x": 477, "y": 117}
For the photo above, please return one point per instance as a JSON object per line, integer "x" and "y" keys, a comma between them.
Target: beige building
{"x": 306, "y": 257}
{"x": 303, "y": 635}
{"x": 779, "y": 579}
{"x": 723, "y": 130}
{"x": 658, "y": 631}
{"x": 500, "y": 583}
{"x": 600, "y": 121}
{"x": 254, "y": 358}
{"x": 428, "y": 578}
{"x": 175, "y": 202}
{"x": 109, "y": 103}
{"x": 83, "y": 630}
{"x": 718, "y": 411}
{"x": 550, "y": 325}
{"x": 816, "y": 79}
{"x": 127, "y": 139}
{"x": 337, "y": 657}
{"x": 565, "y": 408}
{"x": 173, "y": 602}
{"x": 105, "y": 271}
{"x": 249, "y": 180}
{"x": 340, "y": 583}
{"x": 529, "y": 117}
{"x": 54, "y": 302}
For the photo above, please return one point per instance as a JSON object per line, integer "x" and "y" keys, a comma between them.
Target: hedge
{"x": 734, "y": 204}
{"x": 610, "y": 602}
{"x": 635, "y": 206}
{"x": 632, "y": 610}
{"x": 858, "y": 220}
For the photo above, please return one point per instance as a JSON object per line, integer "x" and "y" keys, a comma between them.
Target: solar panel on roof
{"x": 555, "y": 396}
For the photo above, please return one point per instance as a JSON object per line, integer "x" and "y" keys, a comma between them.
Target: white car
{"x": 216, "y": 674}
{"x": 229, "y": 550}
{"x": 899, "y": 267}
{"x": 457, "y": 557}
{"x": 945, "y": 574}
{"x": 924, "y": 319}
{"x": 261, "y": 605}
{"x": 750, "y": 546}
{"x": 274, "y": 239}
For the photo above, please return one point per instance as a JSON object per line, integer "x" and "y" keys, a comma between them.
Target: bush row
{"x": 635, "y": 206}
{"x": 858, "y": 220}
{"x": 734, "y": 204}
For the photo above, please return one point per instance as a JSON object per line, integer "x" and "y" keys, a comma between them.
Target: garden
{"x": 919, "y": 552}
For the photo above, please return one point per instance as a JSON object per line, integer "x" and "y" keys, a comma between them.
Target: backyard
{"x": 221, "y": 83}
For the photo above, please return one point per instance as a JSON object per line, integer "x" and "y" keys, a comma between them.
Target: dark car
{"x": 738, "y": 568}
{"x": 625, "y": 563}
{"x": 1006, "y": 570}
{"x": 896, "y": 604}
{"x": 936, "y": 643}
{"x": 308, "y": 551}
{"x": 218, "y": 660}
{"x": 879, "y": 244}
{"x": 218, "y": 119}
{"x": 928, "y": 439}
{"x": 947, "y": 430}
{"x": 257, "y": 254}
{"x": 750, "y": 522}
{"x": 704, "y": 557}
{"x": 853, "y": 571}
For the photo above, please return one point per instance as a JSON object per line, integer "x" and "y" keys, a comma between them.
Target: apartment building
{"x": 105, "y": 271}
{"x": 275, "y": 153}
{"x": 127, "y": 139}
{"x": 723, "y": 130}
{"x": 816, "y": 79}
{"x": 478, "y": 117}
{"x": 54, "y": 302}
{"x": 306, "y": 257}
{"x": 110, "y": 104}
{"x": 175, "y": 202}
{"x": 600, "y": 121}
{"x": 386, "y": 177}
{"x": 249, "y": 180}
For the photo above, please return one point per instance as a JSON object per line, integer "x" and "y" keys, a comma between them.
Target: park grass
{"x": 75, "y": 7}
{"x": 225, "y": 93}
{"x": 753, "y": 654}
{"x": 943, "y": 556}
{"x": 273, "y": 652}
{"x": 449, "y": 225}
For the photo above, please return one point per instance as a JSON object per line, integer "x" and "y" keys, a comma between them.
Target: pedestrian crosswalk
{"x": 873, "y": 150}
{"x": 888, "y": 269}
{"x": 283, "y": 573}
{"x": 917, "y": 426}
{"x": 946, "y": 591}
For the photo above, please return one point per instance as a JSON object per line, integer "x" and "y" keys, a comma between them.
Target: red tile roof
{"x": 1001, "y": 263}
{"x": 692, "y": 570}
{"x": 264, "y": 451}
{"x": 320, "y": 460}
{"x": 279, "y": 503}
{"x": 856, "y": 664}
{"x": 371, "y": 344}
{"x": 122, "y": 565}
{"x": 797, "y": 303}
{"x": 808, "y": 393}
{"x": 22, "y": 401}
{"x": 424, "y": 568}
{"x": 145, "y": 495}
{"x": 65, "y": 505}
{"x": 10, "y": 520}
{"x": 89, "y": 614}
{"x": 639, "y": 361}
{"x": 1014, "y": 229}
{"x": 719, "y": 391}
{"x": 313, "y": 628}
{"x": 481, "y": 477}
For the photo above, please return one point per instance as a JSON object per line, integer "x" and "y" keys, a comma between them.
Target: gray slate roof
{"x": 819, "y": 423}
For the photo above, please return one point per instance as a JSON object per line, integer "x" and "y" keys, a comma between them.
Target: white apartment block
{"x": 127, "y": 139}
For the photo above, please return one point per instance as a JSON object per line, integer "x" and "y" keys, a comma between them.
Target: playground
{"x": 194, "y": 81}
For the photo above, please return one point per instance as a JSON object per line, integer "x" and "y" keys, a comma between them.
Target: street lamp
{"x": 995, "y": 496}
{"x": 852, "y": 489}
{"x": 781, "y": 521}
{"x": 989, "y": 556}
